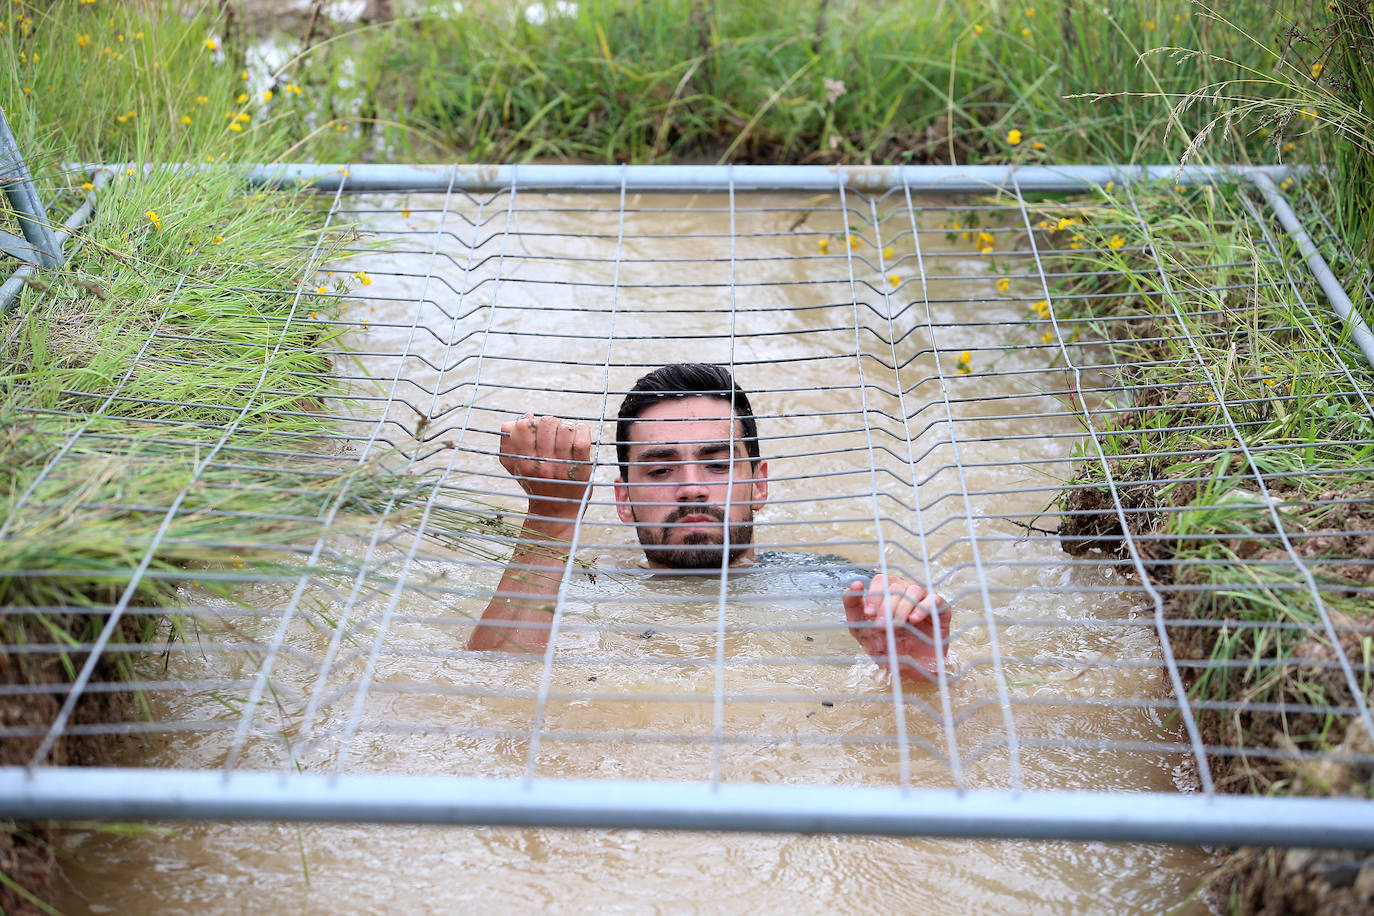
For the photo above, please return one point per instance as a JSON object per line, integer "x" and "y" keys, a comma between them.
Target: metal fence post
{"x": 39, "y": 245}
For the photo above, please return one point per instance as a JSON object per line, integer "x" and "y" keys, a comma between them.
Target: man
{"x": 690, "y": 482}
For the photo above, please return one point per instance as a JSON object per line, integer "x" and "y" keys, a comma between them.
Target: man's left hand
{"x": 914, "y": 609}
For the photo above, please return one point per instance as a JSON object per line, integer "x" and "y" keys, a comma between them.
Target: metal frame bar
{"x": 1228, "y": 820}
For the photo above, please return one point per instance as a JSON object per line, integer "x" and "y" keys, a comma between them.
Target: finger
{"x": 546, "y": 438}
{"x": 877, "y": 600}
{"x": 912, "y": 608}
{"x": 563, "y": 446}
{"x": 525, "y": 446}
{"x": 582, "y": 444}
{"x": 505, "y": 453}
{"x": 853, "y": 600}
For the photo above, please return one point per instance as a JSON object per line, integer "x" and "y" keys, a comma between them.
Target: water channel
{"x": 563, "y": 299}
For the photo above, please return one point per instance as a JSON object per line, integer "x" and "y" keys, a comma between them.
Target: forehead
{"x": 689, "y": 419}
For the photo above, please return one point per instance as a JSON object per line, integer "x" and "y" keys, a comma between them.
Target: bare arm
{"x": 551, "y": 460}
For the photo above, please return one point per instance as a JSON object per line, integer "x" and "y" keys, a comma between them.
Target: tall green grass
{"x": 807, "y": 81}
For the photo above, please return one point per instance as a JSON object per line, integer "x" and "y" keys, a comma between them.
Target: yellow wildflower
{"x": 267, "y": 95}
{"x": 153, "y": 218}
{"x": 363, "y": 278}
{"x": 405, "y": 214}
{"x": 1149, "y": 25}
{"x": 824, "y": 246}
{"x": 977, "y": 30}
{"x": 236, "y": 127}
{"x": 1065, "y": 222}
{"x": 887, "y": 252}
{"x": 961, "y": 365}
{"x": 1004, "y": 284}
{"x": 1013, "y": 137}
{"x": 1030, "y": 12}
{"x": 211, "y": 44}
{"x": 1047, "y": 337}
{"x": 893, "y": 279}
{"x": 1286, "y": 183}
{"x": 185, "y": 119}
{"x": 242, "y": 97}
{"x": 316, "y": 315}
{"x": 292, "y": 89}
{"x": 1042, "y": 308}
{"x": 1116, "y": 242}
{"x": 87, "y": 186}
{"x": 321, "y": 289}
{"x": 218, "y": 239}
{"x": 853, "y": 241}
{"x": 1037, "y": 145}
{"x": 83, "y": 40}
{"x": 202, "y": 99}
{"x": 243, "y": 75}
{"x": 1026, "y": 33}
{"x": 985, "y": 239}
{"x": 1045, "y": 224}
{"x": 1316, "y": 69}
{"x": 1111, "y": 185}
{"x": 244, "y": 116}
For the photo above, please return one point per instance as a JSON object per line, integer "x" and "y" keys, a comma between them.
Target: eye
{"x": 719, "y": 467}
{"x": 658, "y": 473}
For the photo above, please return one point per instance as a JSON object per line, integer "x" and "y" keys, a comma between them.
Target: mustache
{"x": 678, "y": 514}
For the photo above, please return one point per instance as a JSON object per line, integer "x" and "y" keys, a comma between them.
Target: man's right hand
{"x": 551, "y": 458}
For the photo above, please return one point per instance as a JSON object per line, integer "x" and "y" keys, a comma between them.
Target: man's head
{"x": 688, "y": 449}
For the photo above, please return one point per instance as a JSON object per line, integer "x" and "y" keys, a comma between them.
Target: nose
{"x": 691, "y": 488}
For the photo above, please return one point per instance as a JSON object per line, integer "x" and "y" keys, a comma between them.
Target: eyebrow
{"x": 656, "y": 453}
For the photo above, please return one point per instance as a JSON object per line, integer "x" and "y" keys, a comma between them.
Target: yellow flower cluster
{"x": 153, "y": 218}
{"x": 963, "y": 365}
{"x": 1042, "y": 308}
{"x": 363, "y": 278}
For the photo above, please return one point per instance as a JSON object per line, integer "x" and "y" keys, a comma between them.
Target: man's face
{"x": 689, "y": 473}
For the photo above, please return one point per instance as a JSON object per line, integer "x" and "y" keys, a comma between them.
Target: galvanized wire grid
{"x": 921, "y": 411}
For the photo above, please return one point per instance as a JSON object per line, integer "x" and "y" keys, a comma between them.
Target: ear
{"x": 622, "y": 502}
{"x": 760, "y": 494}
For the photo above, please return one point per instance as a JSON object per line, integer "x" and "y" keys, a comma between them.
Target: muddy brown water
{"x": 545, "y": 316}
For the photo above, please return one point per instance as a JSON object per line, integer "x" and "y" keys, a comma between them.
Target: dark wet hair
{"x": 682, "y": 380}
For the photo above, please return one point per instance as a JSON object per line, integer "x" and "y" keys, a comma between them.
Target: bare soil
{"x": 26, "y": 850}
{"x": 1337, "y": 549}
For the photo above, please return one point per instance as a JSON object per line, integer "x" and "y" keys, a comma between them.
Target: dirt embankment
{"x": 26, "y": 850}
{"x": 1336, "y": 546}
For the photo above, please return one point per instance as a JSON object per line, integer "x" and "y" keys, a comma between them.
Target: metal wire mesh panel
{"x": 936, "y": 399}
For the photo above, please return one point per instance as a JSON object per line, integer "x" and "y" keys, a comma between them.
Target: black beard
{"x": 699, "y": 549}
